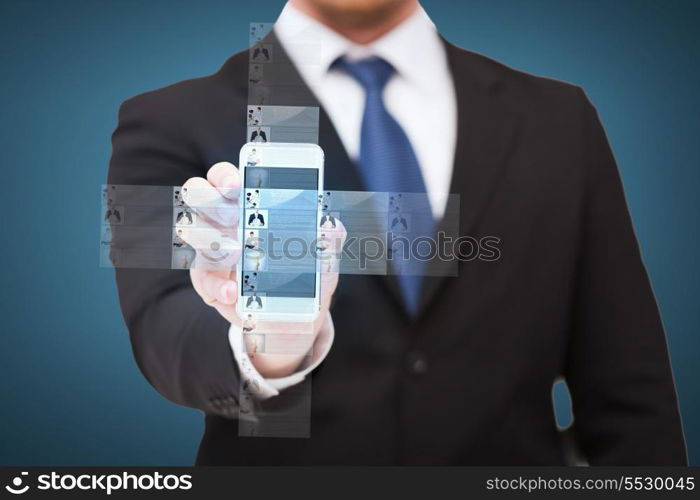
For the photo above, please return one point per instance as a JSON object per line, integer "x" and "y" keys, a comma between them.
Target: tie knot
{"x": 372, "y": 73}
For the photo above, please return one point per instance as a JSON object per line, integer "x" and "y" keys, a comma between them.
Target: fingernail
{"x": 227, "y": 291}
{"x": 230, "y": 182}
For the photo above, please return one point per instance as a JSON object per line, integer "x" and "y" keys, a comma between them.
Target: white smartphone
{"x": 278, "y": 273}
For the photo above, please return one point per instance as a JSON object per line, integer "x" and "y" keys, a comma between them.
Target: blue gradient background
{"x": 71, "y": 393}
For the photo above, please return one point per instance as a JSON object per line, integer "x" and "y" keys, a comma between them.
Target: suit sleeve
{"x": 179, "y": 343}
{"x": 618, "y": 370}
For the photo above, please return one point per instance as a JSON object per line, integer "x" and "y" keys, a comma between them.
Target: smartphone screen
{"x": 278, "y": 229}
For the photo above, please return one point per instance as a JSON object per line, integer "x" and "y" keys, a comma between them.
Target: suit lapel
{"x": 485, "y": 136}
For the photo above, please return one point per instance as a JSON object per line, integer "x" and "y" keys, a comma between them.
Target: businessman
{"x": 261, "y": 53}
{"x": 255, "y": 219}
{"x": 251, "y": 241}
{"x": 327, "y": 221}
{"x": 439, "y": 370}
{"x": 258, "y": 135}
{"x": 112, "y": 215}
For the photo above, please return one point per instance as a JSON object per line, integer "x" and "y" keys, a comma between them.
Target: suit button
{"x": 416, "y": 363}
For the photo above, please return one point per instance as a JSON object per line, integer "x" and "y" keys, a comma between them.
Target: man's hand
{"x": 215, "y": 201}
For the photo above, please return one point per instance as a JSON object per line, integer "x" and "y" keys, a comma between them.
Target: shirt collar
{"x": 414, "y": 47}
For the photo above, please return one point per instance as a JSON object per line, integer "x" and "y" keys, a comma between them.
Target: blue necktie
{"x": 387, "y": 162}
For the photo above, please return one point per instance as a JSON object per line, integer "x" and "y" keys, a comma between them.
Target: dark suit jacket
{"x": 258, "y": 217}
{"x": 255, "y": 133}
{"x": 469, "y": 381}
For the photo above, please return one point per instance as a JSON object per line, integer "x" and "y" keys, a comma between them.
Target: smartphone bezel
{"x": 304, "y": 304}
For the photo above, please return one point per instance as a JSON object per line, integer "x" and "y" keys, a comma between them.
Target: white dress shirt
{"x": 420, "y": 96}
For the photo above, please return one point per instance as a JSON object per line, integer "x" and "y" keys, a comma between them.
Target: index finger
{"x": 226, "y": 178}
